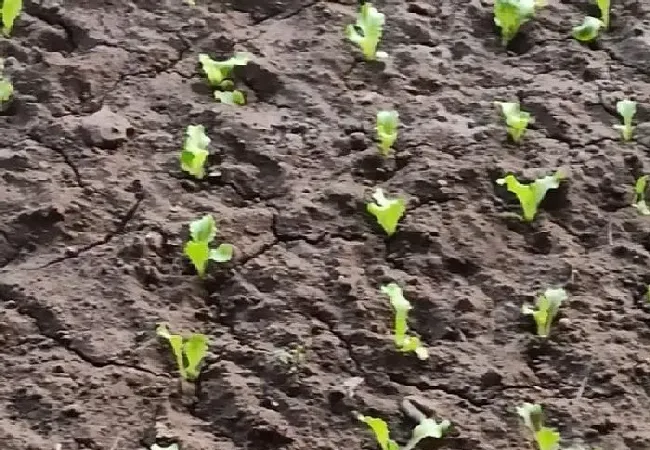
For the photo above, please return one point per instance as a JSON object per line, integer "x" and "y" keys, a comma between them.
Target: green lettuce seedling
{"x": 387, "y": 211}
{"x": 9, "y": 13}
{"x": 230, "y": 97}
{"x": 516, "y": 120}
{"x": 510, "y": 15}
{"x": 195, "y": 151}
{"x": 626, "y": 109}
{"x": 387, "y": 123}
{"x": 588, "y": 30}
{"x": 531, "y": 195}
{"x": 188, "y": 351}
{"x": 371, "y": 23}
{"x": 401, "y": 307}
{"x": 545, "y": 310}
{"x": 546, "y": 438}
{"x": 603, "y": 5}
{"x": 6, "y": 87}
{"x": 202, "y": 233}
{"x": 380, "y": 428}
{"x": 639, "y": 196}
{"x": 218, "y": 72}
{"x": 427, "y": 427}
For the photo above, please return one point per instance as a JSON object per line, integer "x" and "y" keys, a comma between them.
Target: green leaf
{"x": 387, "y": 123}
{"x": 380, "y": 429}
{"x": 198, "y": 253}
{"x": 203, "y": 229}
{"x": 531, "y": 195}
{"x": 588, "y": 30}
{"x": 627, "y": 110}
{"x": 371, "y": 23}
{"x": 221, "y": 254}
{"x": 639, "y": 196}
{"x": 388, "y": 212}
{"x": 510, "y": 15}
{"x": 6, "y": 90}
{"x": 176, "y": 344}
{"x": 546, "y": 308}
{"x": 195, "y": 347}
{"x": 218, "y": 71}
{"x": 604, "y": 6}
{"x": 10, "y": 11}
{"x": 547, "y": 439}
{"x": 516, "y": 120}
{"x": 401, "y": 308}
{"x": 428, "y": 428}
{"x": 230, "y": 97}
{"x": 531, "y": 414}
{"x": 195, "y": 151}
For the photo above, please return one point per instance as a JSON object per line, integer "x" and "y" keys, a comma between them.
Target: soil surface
{"x": 95, "y": 211}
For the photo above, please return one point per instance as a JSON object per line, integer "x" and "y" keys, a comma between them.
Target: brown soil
{"x": 95, "y": 210}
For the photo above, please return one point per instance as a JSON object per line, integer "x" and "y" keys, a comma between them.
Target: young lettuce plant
{"x": 9, "y": 13}
{"x": 545, "y": 310}
{"x": 510, "y": 15}
{"x": 387, "y": 211}
{"x": 546, "y": 438}
{"x": 380, "y": 429}
{"x": 188, "y": 351}
{"x": 401, "y": 307}
{"x": 604, "y": 6}
{"x": 531, "y": 195}
{"x": 234, "y": 97}
{"x": 427, "y": 427}
{"x": 6, "y": 87}
{"x": 588, "y": 30}
{"x": 639, "y": 196}
{"x": 195, "y": 151}
{"x": 516, "y": 120}
{"x": 197, "y": 249}
{"x": 367, "y": 31}
{"x": 626, "y": 109}
{"x": 387, "y": 123}
{"x": 220, "y": 72}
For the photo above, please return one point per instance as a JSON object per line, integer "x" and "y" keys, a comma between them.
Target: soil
{"x": 95, "y": 211}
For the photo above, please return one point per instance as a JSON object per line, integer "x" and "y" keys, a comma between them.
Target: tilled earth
{"x": 95, "y": 211}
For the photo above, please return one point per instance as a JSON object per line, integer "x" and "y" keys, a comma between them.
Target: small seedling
{"x": 230, "y": 97}
{"x": 516, "y": 120}
{"x": 6, "y": 87}
{"x": 626, "y": 109}
{"x": 546, "y": 438}
{"x": 387, "y": 123}
{"x": 647, "y": 294}
{"x": 9, "y": 13}
{"x": 387, "y": 211}
{"x": 188, "y": 351}
{"x": 380, "y": 428}
{"x": 367, "y": 31}
{"x": 195, "y": 151}
{"x": 219, "y": 72}
{"x": 531, "y": 195}
{"x": 545, "y": 310}
{"x": 427, "y": 427}
{"x": 639, "y": 196}
{"x": 588, "y": 30}
{"x": 510, "y": 15}
{"x": 401, "y": 307}
{"x": 197, "y": 249}
{"x": 604, "y": 6}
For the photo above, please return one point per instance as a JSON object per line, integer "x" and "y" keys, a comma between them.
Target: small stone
{"x": 105, "y": 129}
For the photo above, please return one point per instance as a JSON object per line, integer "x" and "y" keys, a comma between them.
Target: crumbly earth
{"x": 95, "y": 211}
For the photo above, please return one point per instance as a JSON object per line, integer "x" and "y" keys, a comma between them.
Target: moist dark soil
{"x": 95, "y": 211}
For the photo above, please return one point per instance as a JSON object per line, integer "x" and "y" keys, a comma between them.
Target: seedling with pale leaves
{"x": 545, "y": 438}
{"x": 639, "y": 196}
{"x": 516, "y": 120}
{"x": 545, "y": 310}
{"x": 387, "y": 211}
{"x": 531, "y": 195}
{"x": 6, "y": 87}
{"x": 403, "y": 341}
{"x": 367, "y": 31}
{"x": 510, "y": 15}
{"x": 604, "y": 7}
{"x": 387, "y": 124}
{"x": 9, "y": 13}
{"x": 220, "y": 72}
{"x": 197, "y": 249}
{"x": 230, "y": 97}
{"x": 627, "y": 110}
{"x": 427, "y": 427}
{"x": 188, "y": 351}
{"x": 588, "y": 30}
{"x": 195, "y": 151}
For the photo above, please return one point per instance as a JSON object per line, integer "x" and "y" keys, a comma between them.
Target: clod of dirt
{"x": 105, "y": 129}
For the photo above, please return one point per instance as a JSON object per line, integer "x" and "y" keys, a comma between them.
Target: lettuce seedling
{"x": 195, "y": 151}
{"x": 545, "y": 310}
{"x": 401, "y": 307}
{"x": 6, "y": 87}
{"x": 427, "y": 428}
{"x": 230, "y": 97}
{"x": 510, "y": 15}
{"x": 546, "y": 438}
{"x": 387, "y": 123}
{"x": 639, "y": 196}
{"x": 218, "y": 72}
{"x": 202, "y": 233}
{"x": 380, "y": 428}
{"x": 387, "y": 211}
{"x": 604, "y": 6}
{"x": 531, "y": 195}
{"x": 188, "y": 351}
{"x": 516, "y": 120}
{"x": 588, "y": 30}
{"x": 626, "y": 109}
{"x": 9, "y": 13}
{"x": 367, "y": 31}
